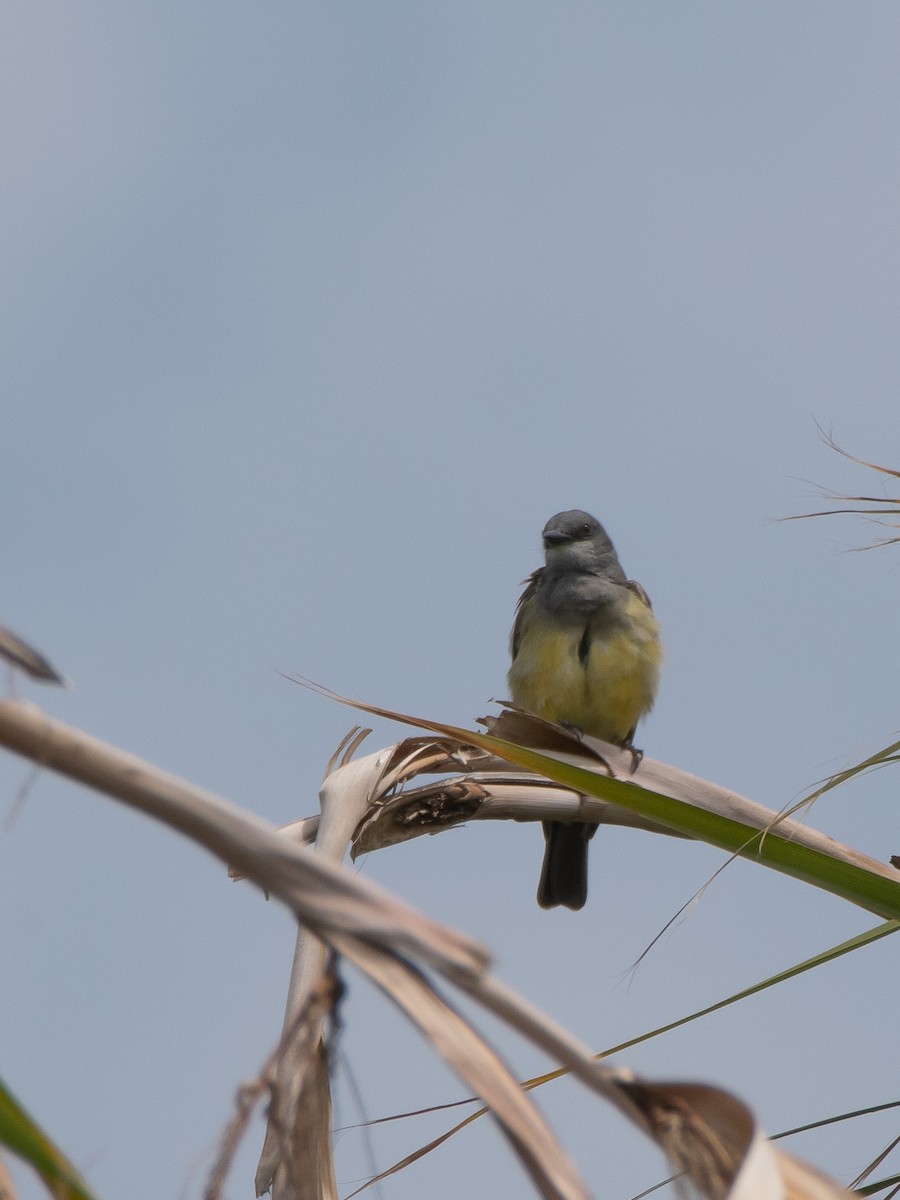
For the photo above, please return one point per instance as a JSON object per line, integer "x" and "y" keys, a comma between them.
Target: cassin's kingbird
{"x": 585, "y": 652}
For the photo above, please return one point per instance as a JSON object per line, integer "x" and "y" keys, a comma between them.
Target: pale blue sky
{"x": 312, "y": 315}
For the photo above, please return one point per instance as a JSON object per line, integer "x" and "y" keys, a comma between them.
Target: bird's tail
{"x": 564, "y": 873}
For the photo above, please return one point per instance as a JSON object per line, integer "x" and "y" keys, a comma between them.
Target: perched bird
{"x": 19, "y": 654}
{"x": 585, "y": 652}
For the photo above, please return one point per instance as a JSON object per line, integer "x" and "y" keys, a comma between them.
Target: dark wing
{"x": 23, "y": 656}
{"x": 531, "y": 586}
{"x": 634, "y": 586}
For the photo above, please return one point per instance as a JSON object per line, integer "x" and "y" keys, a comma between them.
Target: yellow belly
{"x": 604, "y": 696}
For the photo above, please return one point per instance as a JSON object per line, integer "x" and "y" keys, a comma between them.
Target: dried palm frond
{"x": 382, "y": 936}
{"x": 568, "y": 776}
{"x": 394, "y": 946}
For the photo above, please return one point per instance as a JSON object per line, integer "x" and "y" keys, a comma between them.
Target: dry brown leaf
{"x": 713, "y": 1139}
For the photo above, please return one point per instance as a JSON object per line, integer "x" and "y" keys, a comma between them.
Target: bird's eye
{"x": 584, "y": 530}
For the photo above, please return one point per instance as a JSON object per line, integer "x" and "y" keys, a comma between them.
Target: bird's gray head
{"x": 576, "y": 541}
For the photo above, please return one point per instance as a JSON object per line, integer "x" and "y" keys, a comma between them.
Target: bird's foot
{"x": 636, "y": 756}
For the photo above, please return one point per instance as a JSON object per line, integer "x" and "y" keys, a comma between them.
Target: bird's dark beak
{"x": 555, "y": 537}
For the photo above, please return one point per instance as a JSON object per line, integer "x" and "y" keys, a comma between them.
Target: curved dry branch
{"x": 326, "y": 898}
